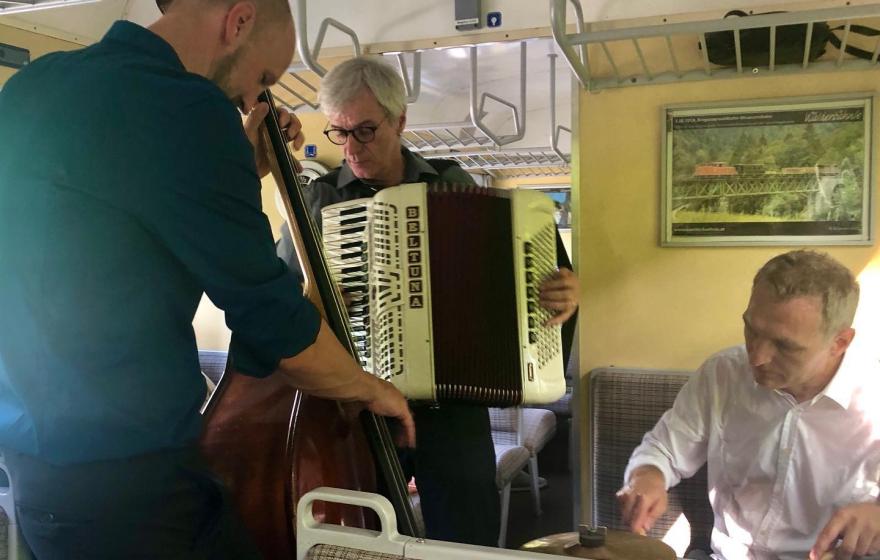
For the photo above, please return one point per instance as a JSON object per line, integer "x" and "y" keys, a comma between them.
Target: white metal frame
{"x": 310, "y": 532}
{"x": 583, "y": 71}
{"x": 477, "y": 110}
{"x": 309, "y": 55}
{"x": 471, "y": 143}
{"x": 19, "y": 7}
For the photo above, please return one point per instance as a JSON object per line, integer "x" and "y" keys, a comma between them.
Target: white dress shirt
{"x": 777, "y": 469}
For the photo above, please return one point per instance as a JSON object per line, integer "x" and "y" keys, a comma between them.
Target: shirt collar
{"x": 142, "y": 39}
{"x": 415, "y": 169}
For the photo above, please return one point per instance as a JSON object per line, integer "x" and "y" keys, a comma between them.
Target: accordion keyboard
{"x": 344, "y": 231}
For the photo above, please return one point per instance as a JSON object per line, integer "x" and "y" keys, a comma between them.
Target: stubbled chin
{"x": 765, "y": 379}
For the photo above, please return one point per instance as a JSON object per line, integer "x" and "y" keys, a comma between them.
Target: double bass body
{"x": 270, "y": 443}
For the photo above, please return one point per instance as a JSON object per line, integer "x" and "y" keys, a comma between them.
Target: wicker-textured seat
{"x": 625, "y": 404}
{"x": 333, "y": 552}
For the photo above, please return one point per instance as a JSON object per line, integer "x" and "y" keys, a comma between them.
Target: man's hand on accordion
{"x": 560, "y": 294}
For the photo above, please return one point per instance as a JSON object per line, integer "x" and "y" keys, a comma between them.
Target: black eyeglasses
{"x": 363, "y": 134}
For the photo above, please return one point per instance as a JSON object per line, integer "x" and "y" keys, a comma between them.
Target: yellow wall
{"x": 37, "y": 44}
{"x": 645, "y": 305}
{"x": 653, "y": 307}
{"x": 329, "y": 154}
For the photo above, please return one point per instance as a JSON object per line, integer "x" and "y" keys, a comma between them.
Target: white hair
{"x": 347, "y": 80}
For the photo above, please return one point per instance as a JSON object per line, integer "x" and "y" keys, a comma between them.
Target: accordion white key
{"x": 446, "y": 281}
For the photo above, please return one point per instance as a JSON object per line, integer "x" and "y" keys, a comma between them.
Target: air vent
{"x": 14, "y": 57}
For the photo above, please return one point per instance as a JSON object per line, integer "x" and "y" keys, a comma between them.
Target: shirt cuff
{"x": 261, "y": 362}
{"x": 669, "y": 476}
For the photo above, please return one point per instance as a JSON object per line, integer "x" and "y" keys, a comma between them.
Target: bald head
{"x": 244, "y": 46}
{"x": 268, "y": 11}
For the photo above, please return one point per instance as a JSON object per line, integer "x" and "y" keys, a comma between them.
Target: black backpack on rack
{"x": 790, "y": 43}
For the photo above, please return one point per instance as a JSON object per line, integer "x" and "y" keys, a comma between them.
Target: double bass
{"x": 269, "y": 442}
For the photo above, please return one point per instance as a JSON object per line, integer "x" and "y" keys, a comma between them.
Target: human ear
{"x": 239, "y": 24}
{"x": 842, "y": 340}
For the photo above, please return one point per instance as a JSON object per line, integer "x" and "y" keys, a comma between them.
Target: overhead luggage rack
{"x": 629, "y": 56}
{"x": 475, "y": 144}
{"x": 444, "y": 136}
{"x": 505, "y": 163}
{"x": 295, "y": 91}
{"x": 476, "y": 150}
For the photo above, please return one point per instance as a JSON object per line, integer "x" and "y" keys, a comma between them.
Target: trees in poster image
{"x": 825, "y": 159}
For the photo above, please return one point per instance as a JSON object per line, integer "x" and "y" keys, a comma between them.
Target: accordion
{"x": 443, "y": 285}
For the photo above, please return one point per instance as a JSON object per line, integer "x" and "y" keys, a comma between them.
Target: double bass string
{"x": 378, "y": 434}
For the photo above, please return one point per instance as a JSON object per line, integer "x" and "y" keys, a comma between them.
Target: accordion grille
{"x": 540, "y": 264}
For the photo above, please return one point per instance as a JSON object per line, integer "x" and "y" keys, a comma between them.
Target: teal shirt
{"x": 127, "y": 189}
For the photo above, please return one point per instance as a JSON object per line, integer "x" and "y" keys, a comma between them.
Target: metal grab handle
{"x": 310, "y": 56}
{"x": 311, "y": 532}
{"x": 413, "y": 87}
{"x": 303, "y": 100}
{"x": 554, "y": 129}
{"x": 519, "y": 113}
{"x": 375, "y": 502}
{"x": 579, "y": 63}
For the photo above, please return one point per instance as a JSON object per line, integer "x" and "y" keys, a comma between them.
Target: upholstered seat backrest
{"x": 625, "y": 404}
{"x": 213, "y": 363}
{"x": 333, "y": 552}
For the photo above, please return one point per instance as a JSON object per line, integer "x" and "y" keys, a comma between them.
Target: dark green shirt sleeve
{"x": 210, "y": 217}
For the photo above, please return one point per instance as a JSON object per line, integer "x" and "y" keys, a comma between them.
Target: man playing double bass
{"x": 128, "y": 187}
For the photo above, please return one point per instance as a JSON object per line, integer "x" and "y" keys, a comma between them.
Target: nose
{"x": 760, "y": 352}
{"x": 352, "y": 146}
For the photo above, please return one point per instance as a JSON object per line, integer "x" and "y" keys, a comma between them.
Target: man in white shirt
{"x": 789, "y": 424}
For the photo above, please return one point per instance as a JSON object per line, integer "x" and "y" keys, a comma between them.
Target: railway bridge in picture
{"x": 718, "y": 187}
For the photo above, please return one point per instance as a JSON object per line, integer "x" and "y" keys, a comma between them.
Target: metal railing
{"x": 586, "y": 74}
{"x": 309, "y": 55}
{"x": 478, "y": 110}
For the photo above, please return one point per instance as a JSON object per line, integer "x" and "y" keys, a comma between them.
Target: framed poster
{"x": 790, "y": 172}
